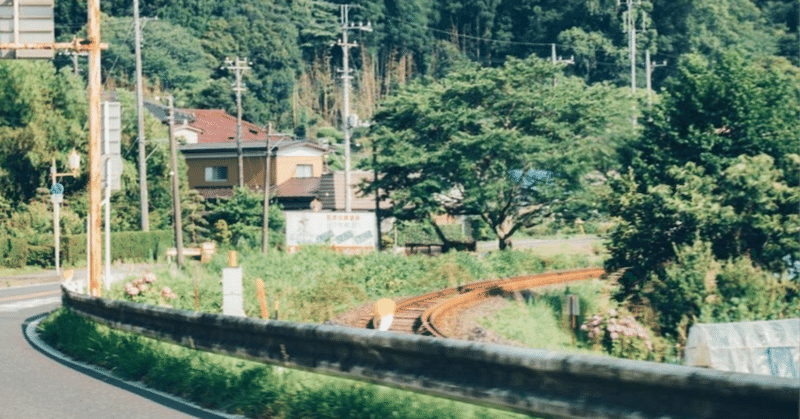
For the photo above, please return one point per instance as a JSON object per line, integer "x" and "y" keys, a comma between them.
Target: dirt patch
{"x": 463, "y": 324}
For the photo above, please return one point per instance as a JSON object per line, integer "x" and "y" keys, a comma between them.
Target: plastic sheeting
{"x": 762, "y": 347}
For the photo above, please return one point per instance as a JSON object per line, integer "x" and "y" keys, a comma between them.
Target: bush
{"x": 18, "y": 253}
{"x": 698, "y": 287}
{"x": 617, "y": 333}
{"x": 129, "y": 246}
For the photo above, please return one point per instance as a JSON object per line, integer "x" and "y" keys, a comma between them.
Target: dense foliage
{"x": 707, "y": 209}
{"x": 717, "y": 163}
{"x": 468, "y": 120}
{"x": 289, "y": 43}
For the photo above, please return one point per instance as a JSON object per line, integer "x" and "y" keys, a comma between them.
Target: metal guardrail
{"x": 537, "y": 382}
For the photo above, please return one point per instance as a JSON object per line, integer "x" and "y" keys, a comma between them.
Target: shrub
{"x": 18, "y": 253}
{"x": 617, "y": 333}
{"x": 129, "y": 245}
{"x": 698, "y": 287}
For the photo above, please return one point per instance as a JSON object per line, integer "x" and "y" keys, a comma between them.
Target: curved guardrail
{"x": 531, "y": 381}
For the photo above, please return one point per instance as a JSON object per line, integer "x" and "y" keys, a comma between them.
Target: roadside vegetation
{"x": 311, "y": 286}
{"x": 317, "y": 284}
{"x": 243, "y": 387}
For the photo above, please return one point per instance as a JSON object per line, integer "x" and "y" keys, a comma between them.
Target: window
{"x": 303, "y": 170}
{"x": 216, "y": 174}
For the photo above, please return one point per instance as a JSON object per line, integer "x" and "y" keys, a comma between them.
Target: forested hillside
{"x": 293, "y": 82}
{"x": 477, "y": 72}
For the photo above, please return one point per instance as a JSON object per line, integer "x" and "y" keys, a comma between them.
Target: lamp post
{"x": 57, "y": 196}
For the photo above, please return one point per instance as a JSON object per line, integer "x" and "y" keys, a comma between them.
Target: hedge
{"x": 137, "y": 246}
{"x": 130, "y": 246}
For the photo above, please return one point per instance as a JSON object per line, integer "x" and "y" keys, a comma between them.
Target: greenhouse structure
{"x": 759, "y": 347}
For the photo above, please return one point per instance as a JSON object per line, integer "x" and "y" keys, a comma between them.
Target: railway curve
{"x": 424, "y": 314}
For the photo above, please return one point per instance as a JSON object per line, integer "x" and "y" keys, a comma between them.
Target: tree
{"x": 42, "y": 113}
{"x": 510, "y": 144}
{"x": 718, "y": 163}
{"x": 242, "y": 218}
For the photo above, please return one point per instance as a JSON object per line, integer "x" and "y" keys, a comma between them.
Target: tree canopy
{"x": 718, "y": 163}
{"x": 511, "y": 144}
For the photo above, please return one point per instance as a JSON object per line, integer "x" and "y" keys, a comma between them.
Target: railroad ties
{"x": 424, "y": 314}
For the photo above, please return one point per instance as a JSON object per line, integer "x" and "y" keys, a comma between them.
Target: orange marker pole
{"x": 262, "y": 299}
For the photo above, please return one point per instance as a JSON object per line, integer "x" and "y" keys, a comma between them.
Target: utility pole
{"x": 238, "y": 66}
{"x": 267, "y": 182}
{"x": 176, "y": 198}
{"x": 649, "y": 70}
{"x": 143, "y": 198}
{"x": 630, "y": 26}
{"x": 558, "y": 60}
{"x": 345, "y": 45}
{"x": 95, "y": 87}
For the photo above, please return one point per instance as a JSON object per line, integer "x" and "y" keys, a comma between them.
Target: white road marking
{"x": 21, "y": 305}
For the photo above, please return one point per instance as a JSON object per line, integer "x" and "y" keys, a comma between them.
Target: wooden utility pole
{"x": 238, "y": 66}
{"x": 176, "y": 190}
{"x": 95, "y": 187}
{"x": 143, "y": 198}
{"x": 345, "y": 45}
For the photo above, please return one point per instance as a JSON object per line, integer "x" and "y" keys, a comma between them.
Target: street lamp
{"x": 57, "y": 196}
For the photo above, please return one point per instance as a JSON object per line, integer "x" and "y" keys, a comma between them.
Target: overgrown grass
{"x": 317, "y": 284}
{"x": 539, "y": 322}
{"x": 312, "y": 285}
{"x": 242, "y": 387}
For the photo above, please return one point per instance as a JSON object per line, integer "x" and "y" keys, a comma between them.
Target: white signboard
{"x": 111, "y": 133}
{"x": 27, "y": 22}
{"x": 354, "y": 232}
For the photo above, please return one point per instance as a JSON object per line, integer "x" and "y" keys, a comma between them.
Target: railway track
{"x": 425, "y": 314}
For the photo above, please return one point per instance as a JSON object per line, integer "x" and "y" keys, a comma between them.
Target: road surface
{"x": 35, "y": 385}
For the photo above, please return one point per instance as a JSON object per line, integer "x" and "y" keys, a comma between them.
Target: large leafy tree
{"x": 717, "y": 163}
{"x": 509, "y": 144}
{"x": 42, "y": 114}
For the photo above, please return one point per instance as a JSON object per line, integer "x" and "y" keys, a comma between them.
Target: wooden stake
{"x": 262, "y": 299}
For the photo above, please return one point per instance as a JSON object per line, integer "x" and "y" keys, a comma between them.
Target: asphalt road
{"x": 35, "y": 385}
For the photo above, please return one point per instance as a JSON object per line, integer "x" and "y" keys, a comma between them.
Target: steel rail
{"x": 412, "y": 315}
{"x": 433, "y": 318}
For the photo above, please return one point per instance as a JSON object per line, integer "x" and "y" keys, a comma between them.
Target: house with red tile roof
{"x": 208, "y": 143}
{"x": 299, "y": 179}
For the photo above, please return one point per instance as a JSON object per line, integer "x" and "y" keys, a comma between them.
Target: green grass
{"x": 243, "y": 387}
{"x": 19, "y": 271}
{"x": 540, "y": 322}
{"x": 312, "y": 285}
{"x": 317, "y": 284}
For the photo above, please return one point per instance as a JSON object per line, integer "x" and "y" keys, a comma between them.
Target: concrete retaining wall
{"x": 543, "y": 383}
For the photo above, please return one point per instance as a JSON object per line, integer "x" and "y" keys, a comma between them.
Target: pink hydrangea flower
{"x": 131, "y": 289}
{"x": 167, "y": 293}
